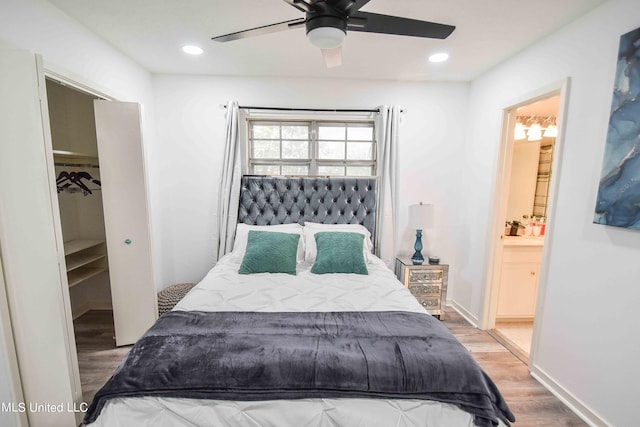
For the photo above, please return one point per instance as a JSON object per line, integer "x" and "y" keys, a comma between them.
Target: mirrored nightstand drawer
{"x": 425, "y": 289}
{"x": 430, "y": 303}
{"x": 425, "y": 276}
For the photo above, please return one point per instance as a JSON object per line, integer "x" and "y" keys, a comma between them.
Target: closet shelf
{"x": 73, "y": 155}
{"x": 73, "y": 246}
{"x": 83, "y": 260}
{"x": 83, "y": 273}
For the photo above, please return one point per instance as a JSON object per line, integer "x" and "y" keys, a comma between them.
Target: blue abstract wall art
{"x": 618, "y": 202}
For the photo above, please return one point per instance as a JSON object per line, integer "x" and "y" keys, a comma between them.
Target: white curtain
{"x": 387, "y": 125}
{"x": 229, "y": 191}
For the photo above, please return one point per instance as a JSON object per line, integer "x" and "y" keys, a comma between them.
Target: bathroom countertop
{"x": 523, "y": 241}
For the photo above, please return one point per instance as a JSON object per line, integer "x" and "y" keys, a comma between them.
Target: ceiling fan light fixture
{"x": 326, "y": 37}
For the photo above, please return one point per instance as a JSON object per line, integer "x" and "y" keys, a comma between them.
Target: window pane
{"x": 266, "y": 169}
{"x": 295, "y": 132}
{"x": 360, "y": 151}
{"x": 360, "y": 133}
{"x": 266, "y": 149}
{"x": 292, "y": 147}
{"x": 330, "y": 150}
{"x": 266, "y": 131}
{"x": 359, "y": 171}
{"x": 331, "y": 132}
{"x": 295, "y": 149}
{"x": 295, "y": 170}
{"x": 331, "y": 170}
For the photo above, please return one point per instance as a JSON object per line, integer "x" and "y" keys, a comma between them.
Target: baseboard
{"x": 463, "y": 312}
{"x": 88, "y": 306}
{"x": 514, "y": 319}
{"x": 573, "y": 403}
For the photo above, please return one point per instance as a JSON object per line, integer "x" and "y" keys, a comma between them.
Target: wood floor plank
{"x": 531, "y": 403}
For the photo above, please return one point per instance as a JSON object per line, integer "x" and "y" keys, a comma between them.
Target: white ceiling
{"x": 152, "y": 32}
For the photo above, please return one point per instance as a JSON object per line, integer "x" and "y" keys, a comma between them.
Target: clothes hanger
{"x": 65, "y": 180}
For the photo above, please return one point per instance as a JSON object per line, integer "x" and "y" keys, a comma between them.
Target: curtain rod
{"x": 324, "y": 110}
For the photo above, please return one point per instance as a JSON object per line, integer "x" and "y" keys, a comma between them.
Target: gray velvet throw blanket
{"x": 267, "y": 356}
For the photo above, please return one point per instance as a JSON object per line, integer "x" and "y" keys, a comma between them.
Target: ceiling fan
{"x": 327, "y": 22}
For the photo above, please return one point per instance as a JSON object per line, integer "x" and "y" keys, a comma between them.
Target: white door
{"x": 126, "y": 218}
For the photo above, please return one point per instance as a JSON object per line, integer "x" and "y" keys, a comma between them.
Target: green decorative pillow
{"x": 270, "y": 252}
{"x": 339, "y": 252}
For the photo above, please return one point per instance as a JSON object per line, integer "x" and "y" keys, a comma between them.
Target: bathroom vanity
{"x": 521, "y": 260}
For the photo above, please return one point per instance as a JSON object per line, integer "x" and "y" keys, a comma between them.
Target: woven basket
{"x": 169, "y": 296}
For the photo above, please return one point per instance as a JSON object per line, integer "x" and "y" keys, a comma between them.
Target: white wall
{"x": 191, "y": 143}
{"x": 588, "y": 327}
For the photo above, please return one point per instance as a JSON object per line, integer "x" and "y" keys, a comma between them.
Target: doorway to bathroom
{"x": 522, "y": 218}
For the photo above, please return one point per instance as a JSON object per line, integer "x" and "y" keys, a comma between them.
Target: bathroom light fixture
{"x": 439, "y": 57}
{"x": 519, "y": 132}
{"x": 192, "y": 50}
{"x": 551, "y": 131}
{"x": 534, "y": 128}
{"x": 535, "y": 132}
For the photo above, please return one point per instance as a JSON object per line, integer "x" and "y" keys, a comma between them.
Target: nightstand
{"x": 427, "y": 282}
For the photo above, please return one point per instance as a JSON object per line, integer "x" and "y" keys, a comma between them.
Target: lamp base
{"x": 416, "y": 261}
{"x": 417, "y": 257}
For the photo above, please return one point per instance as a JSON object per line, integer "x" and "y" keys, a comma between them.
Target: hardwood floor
{"x": 98, "y": 355}
{"x": 531, "y": 403}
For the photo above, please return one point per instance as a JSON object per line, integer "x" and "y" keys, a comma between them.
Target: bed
{"x": 330, "y": 339}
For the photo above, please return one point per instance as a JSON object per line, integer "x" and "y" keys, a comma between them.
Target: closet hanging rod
{"x": 77, "y": 165}
{"x": 319, "y": 110}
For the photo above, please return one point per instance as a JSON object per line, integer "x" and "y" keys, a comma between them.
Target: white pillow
{"x": 242, "y": 234}
{"x": 311, "y": 228}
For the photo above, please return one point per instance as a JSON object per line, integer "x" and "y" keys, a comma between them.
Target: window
{"x": 311, "y": 148}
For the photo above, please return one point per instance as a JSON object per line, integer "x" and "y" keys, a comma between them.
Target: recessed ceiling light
{"x": 192, "y": 50}
{"x": 439, "y": 57}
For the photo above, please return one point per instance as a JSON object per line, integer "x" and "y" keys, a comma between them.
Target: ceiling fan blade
{"x": 358, "y": 4}
{"x": 347, "y": 6}
{"x": 301, "y": 5}
{"x": 266, "y": 29}
{"x": 332, "y": 57}
{"x": 387, "y": 24}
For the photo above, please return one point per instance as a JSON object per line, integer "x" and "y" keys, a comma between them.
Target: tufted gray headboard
{"x": 270, "y": 201}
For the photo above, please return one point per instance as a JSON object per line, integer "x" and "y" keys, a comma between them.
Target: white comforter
{"x": 223, "y": 289}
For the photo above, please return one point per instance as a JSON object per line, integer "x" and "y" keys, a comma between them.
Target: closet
{"x": 77, "y": 172}
{"x": 99, "y": 170}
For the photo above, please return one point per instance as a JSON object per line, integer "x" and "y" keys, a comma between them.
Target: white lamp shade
{"x": 421, "y": 216}
{"x": 326, "y": 37}
{"x": 535, "y": 132}
{"x": 551, "y": 131}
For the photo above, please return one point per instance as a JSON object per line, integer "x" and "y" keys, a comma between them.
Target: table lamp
{"x": 420, "y": 218}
